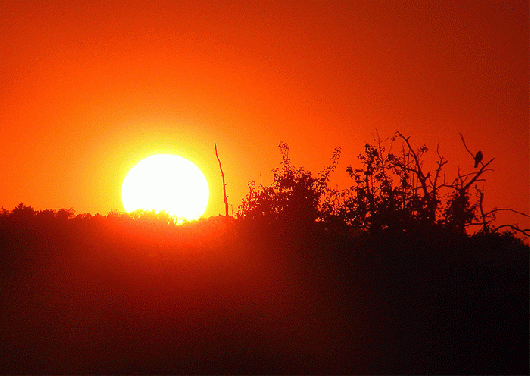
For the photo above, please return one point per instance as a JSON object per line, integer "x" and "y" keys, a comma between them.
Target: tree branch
{"x": 525, "y": 232}
{"x": 224, "y": 184}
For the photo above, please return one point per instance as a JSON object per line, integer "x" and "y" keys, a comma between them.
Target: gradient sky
{"x": 89, "y": 88}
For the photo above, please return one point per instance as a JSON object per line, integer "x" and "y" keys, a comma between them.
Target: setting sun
{"x": 167, "y": 183}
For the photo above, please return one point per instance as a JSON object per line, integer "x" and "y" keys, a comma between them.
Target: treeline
{"x": 392, "y": 189}
{"x": 113, "y": 294}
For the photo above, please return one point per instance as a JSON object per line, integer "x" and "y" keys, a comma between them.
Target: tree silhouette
{"x": 23, "y": 213}
{"x": 64, "y": 214}
{"x": 460, "y": 212}
{"x": 391, "y": 189}
{"x": 394, "y": 190}
{"x": 295, "y": 194}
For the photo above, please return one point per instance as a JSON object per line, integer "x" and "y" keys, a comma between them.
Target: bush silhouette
{"x": 391, "y": 191}
{"x": 295, "y": 195}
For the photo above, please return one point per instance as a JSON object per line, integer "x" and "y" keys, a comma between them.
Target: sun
{"x": 166, "y": 182}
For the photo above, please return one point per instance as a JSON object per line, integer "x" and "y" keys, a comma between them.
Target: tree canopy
{"x": 392, "y": 189}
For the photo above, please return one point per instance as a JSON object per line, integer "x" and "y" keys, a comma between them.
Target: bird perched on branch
{"x": 478, "y": 158}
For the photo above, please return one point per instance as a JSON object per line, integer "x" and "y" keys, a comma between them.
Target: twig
{"x": 512, "y": 210}
{"x": 465, "y": 146}
{"x": 480, "y": 172}
{"x": 525, "y": 231}
{"x": 224, "y": 184}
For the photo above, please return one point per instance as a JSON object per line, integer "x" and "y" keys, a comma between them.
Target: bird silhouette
{"x": 478, "y": 158}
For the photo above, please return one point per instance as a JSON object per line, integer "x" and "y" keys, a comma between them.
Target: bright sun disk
{"x": 166, "y": 182}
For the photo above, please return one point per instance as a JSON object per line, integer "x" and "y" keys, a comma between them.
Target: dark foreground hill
{"x": 104, "y": 295}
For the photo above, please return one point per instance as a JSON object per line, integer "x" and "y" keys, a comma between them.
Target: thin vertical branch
{"x": 224, "y": 184}
{"x": 465, "y": 146}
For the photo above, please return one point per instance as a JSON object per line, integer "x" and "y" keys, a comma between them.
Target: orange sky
{"x": 89, "y": 88}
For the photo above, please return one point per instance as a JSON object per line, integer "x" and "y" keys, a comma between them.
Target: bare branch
{"x": 224, "y": 184}
{"x": 418, "y": 170}
{"x": 512, "y": 210}
{"x": 465, "y": 146}
{"x": 480, "y": 172}
{"x": 525, "y": 232}
{"x": 441, "y": 162}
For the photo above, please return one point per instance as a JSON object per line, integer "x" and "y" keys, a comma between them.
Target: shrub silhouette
{"x": 392, "y": 190}
{"x": 22, "y": 213}
{"x": 295, "y": 195}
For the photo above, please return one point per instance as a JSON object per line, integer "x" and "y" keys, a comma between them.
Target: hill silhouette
{"x": 110, "y": 294}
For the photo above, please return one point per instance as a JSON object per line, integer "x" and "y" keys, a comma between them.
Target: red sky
{"x": 89, "y": 88}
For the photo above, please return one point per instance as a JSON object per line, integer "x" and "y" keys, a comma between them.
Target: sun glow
{"x": 166, "y": 182}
